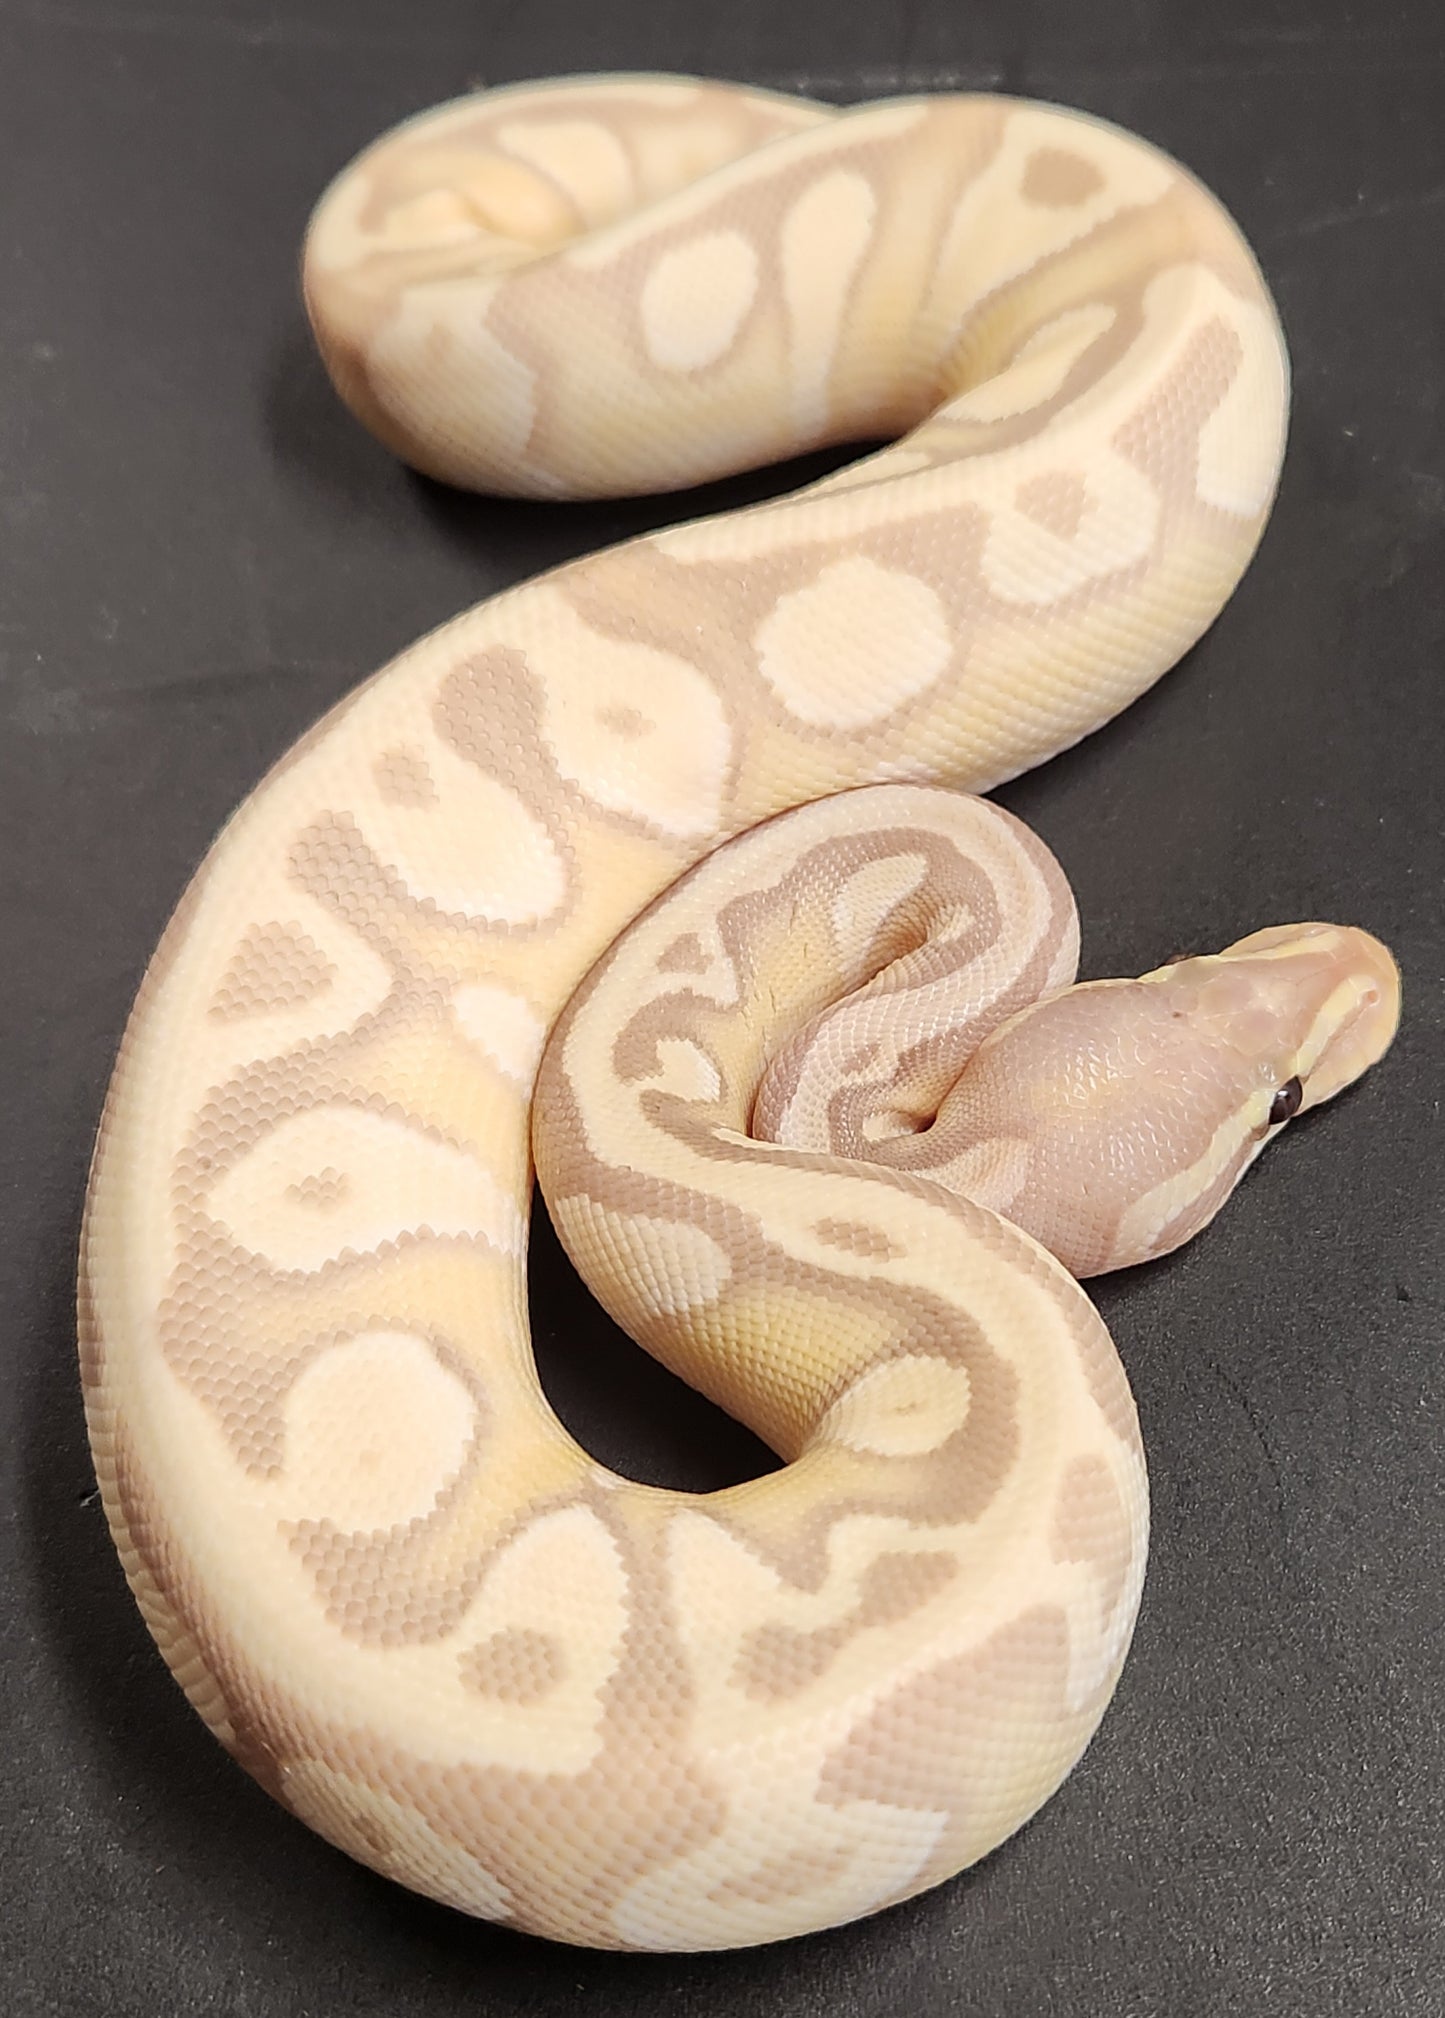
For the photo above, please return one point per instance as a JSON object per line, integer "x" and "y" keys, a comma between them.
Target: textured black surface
{"x": 199, "y": 552}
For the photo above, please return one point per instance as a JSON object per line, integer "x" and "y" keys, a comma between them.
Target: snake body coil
{"x": 788, "y": 1121}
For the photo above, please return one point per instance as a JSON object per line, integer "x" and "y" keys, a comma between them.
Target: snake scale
{"x": 827, "y": 1125}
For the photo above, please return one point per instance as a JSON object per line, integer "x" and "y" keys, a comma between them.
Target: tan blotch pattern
{"x": 395, "y": 1588}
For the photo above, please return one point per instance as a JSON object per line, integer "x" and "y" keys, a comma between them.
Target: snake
{"x": 670, "y": 876}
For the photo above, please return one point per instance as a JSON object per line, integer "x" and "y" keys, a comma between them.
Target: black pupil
{"x": 1285, "y": 1103}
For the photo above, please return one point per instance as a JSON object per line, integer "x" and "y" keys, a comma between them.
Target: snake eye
{"x": 1286, "y": 1103}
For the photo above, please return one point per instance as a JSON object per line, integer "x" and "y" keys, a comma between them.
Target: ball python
{"x": 678, "y": 851}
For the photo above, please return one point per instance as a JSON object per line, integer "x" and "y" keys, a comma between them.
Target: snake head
{"x": 1113, "y": 1119}
{"x": 1323, "y": 1000}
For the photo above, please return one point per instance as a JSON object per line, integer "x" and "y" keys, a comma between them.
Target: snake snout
{"x": 1338, "y": 992}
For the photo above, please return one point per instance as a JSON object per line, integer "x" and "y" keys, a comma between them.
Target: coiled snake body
{"x": 783, "y": 1121}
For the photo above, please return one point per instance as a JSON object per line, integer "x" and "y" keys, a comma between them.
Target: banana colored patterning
{"x": 809, "y": 1122}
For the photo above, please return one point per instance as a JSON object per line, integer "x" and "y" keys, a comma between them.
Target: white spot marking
{"x": 503, "y": 1025}
{"x": 375, "y": 1429}
{"x": 1239, "y": 444}
{"x": 562, "y": 1576}
{"x": 854, "y": 644}
{"x": 396, "y": 1180}
{"x": 475, "y": 850}
{"x": 824, "y": 237}
{"x": 682, "y": 1267}
{"x": 904, "y": 1408}
{"x": 641, "y": 731}
{"x": 861, "y": 904}
{"x": 580, "y": 156}
{"x": 687, "y": 1071}
{"x": 695, "y": 298}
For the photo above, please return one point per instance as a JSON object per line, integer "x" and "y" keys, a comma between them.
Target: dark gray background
{"x": 199, "y": 552}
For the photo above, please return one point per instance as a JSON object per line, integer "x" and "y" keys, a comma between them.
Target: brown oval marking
{"x": 853, "y": 1237}
{"x": 516, "y": 1665}
{"x": 1091, "y": 1525}
{"x": 1059, "y": 179}
{"x": 276, "y": 966}
{"x": 628, "y": 723}
{"x": 789, "y": 1877}
{"x": 1057, "y": 500}
{"x": 776, "y": 1660}
{"x": 402, "y": 778}
{"x": 683, "y": 956}
{"x": 900, "y": 1582}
